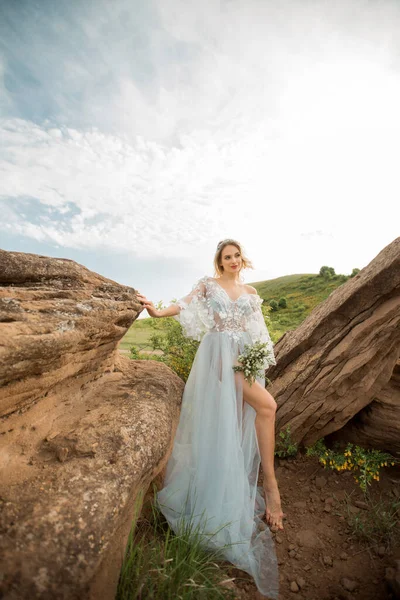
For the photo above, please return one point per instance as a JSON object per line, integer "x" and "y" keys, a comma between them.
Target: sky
{"x": 134, "y": 136}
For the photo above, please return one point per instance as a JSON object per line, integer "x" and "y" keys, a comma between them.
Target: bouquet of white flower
{"x": 252, "y": 360}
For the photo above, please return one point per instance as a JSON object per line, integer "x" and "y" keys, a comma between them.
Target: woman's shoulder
{"x": 201, "y": 283}
{"x": 250, "y": 289}
{"x": 206, "y": 279}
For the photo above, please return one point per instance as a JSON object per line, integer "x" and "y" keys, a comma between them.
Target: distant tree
{"x": 327, "y": 272}
{"x": 282, "y": 303}
{"x": 274, "y": 305}
{"x": 354, "y": 272}
{"x": 342, "y": 278}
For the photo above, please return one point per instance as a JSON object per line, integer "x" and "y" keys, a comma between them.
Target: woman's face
{"x": 230, "y": 260}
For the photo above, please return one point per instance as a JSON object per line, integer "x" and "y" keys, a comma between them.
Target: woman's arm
{"x": 170, "y": 311}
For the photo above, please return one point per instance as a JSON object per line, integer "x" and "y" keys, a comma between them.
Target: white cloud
{"x": 276, "y": 123}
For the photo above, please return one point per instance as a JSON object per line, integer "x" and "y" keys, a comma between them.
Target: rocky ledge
{"x": 82, "y": 431}
{"x": 341, "y": 363}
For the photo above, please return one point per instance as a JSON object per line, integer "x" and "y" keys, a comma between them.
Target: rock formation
{"x": 378, "y": 424}
{"x": 342, "y": 359}
{"x": 83, "y": 429}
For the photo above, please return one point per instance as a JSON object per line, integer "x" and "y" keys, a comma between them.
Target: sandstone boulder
{"x": 342, "y": 356}
{"x": 58, "y": 321}
{"x": 378, "y": 424}
{"x": 83, "y": 429}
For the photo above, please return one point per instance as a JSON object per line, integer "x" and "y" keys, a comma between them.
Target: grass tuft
{"x": 378, "y": 525}
{"x": 160, "y": 565}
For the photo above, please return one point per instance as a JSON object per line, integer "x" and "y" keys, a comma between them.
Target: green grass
{"x": 160, "y": 565}
{"x": 139, "y": 334}
{"x": 379, "y": 525}
{"x": 303, "y": 293}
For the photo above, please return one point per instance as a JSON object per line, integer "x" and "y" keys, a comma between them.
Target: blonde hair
{"x": 218, "y": 270}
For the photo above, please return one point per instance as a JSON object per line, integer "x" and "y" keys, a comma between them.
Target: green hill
{"x": 302, "y": 292}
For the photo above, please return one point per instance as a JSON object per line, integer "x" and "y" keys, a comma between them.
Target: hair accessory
{"x": 226, "y": 241}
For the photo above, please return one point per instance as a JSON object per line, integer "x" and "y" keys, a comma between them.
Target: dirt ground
{"x": 318, "y": 557}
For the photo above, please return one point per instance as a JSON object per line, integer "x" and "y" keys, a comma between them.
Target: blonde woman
{"x": 226, "y": 426}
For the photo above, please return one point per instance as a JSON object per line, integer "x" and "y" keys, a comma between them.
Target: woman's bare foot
{"x": 274, "y": 512}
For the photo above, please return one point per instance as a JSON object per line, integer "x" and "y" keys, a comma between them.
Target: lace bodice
{"x": 208, "y": 308}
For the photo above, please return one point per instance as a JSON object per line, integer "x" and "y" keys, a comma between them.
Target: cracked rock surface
{"x": 82, "y": 430}
{"x": 343, "y": 360}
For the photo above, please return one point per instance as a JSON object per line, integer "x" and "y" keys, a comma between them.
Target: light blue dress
{"x": 211, "y": 475}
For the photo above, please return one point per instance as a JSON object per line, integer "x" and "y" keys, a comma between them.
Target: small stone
{"x": 308, "y": 539}
{"x": 327, "y": 508}
{"x": 307, "y": 567}
{"x": 381, "y": 551}
{"x": 340, "y": 495}
{"x": 328, "y": 561}
{"x": 354, "y": 509}
{"x": 330, "y": 500}
{"x": 320, "y": 482}
{"x": 62, "y": 453}
{"x": 301, "y": 582}
{"x": 344, "y": 556}
{"x": 294, "y": 587}
{"x": 278, "y": 539}
{"x": 349, "y": 584}
{"x": 292, "y": 547}
{"x": 292, "y": 553}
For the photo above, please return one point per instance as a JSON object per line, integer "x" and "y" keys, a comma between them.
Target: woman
{"x": 227, "y": 426}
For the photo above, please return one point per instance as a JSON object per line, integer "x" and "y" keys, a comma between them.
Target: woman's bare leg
{"x": 265, "y": 406}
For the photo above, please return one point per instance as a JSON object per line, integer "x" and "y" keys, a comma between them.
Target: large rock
{"x": 83, "y": 429}
{"x": 378, "y": 424}
{"x": 343, "y": 355}
{"x": 59, "y": 321}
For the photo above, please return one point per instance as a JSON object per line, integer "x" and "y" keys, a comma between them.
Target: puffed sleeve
{"x": 195, "y": 316}
{"x": 257, "y": 328}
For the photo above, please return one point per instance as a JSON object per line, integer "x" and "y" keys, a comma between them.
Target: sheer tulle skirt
{"x": 211, "y": 476}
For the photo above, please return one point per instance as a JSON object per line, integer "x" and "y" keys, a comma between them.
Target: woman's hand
{"x": 148, "y": 305}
